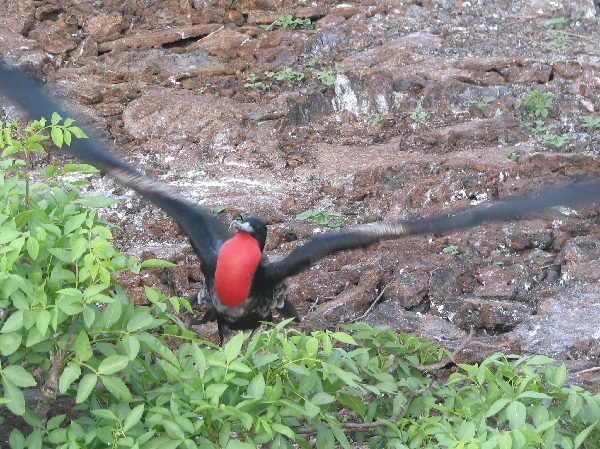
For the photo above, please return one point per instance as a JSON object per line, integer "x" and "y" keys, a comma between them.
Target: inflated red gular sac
{"x": 240, "y": 282}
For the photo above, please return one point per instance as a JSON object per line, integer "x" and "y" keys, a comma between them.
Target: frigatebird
{"x": 241, "y": 282}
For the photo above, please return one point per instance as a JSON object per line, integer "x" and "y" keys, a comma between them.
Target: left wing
{"x": 319, "y": 247}
{"x": 205, "y": 232}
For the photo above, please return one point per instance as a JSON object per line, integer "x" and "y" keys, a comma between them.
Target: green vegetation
{"x": 555, "y": 140}
{"x": 514, "y": 156}
{"x": 451, "y": 249}
{"x": 254, "y": 82}
{"x": 101, "y": 372}
{"x": 538, "y": 103}
{"x": 321, "y": 217}
{"x": 376, "y": 118}
{"x": 590, "y": 123}
{"x": 484, "y": 102}
{"x": 418, "y": 115}
{"x": 294, "y": 23}
{"x": 287, "y": 75}
{"x": 327, "y": 76}
{"x": 556, "y": 39}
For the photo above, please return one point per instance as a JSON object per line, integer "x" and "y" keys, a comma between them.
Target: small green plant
{"x": 292, "y": 23}
{"x": 418, "y": 115}
{"x": 321, "y": 217}
{"x": 484, "y": 102}
{"x": 558, "y": 40}
{"x": 537, "y": 102}
{"x": 451, "y": 249}
{"x": 287, "y": 75}
{"x": 327, "y": 76}
{"x": 545, "y": 133}
{"x": 590, "y": 123}
{"x": 310, "y": 63}
{"x": 540, "y": 128}
{"x": 254, "y": 82}
{"x": 555, "y": 140}
{"x": 514, "y": 156}
{"x": 376, "y": 118}
{"x": 557, "y": 22}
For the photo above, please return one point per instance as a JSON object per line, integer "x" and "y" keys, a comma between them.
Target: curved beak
{"x": 241, "y": 226}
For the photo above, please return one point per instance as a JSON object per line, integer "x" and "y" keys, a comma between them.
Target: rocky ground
{"x": 388, "y": 109}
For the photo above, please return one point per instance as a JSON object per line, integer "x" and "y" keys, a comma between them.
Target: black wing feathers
{"x": 319, "y": 247}
{"x": 205, "y": 231}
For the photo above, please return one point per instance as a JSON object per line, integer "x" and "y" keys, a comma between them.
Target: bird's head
{"x": 253, "y": 226}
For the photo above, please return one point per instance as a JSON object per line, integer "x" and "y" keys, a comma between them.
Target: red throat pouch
{"x": 237, "y": 261}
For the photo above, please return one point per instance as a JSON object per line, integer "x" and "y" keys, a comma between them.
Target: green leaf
{"x": 18, "y": 376}
{"x": 16, "y": 440}
{"x": 353, "y": 402}
{"x": 131, "y": 345}
{"x": 78, "y": 132}
{"x": 74, "y": 223}
{"x": 496, "y": 407}
{"x": 116, "y": 387}
{"x": 343, "y": 337}
{"x": 42, "y": 321}
{"x": 234, "y": 346}
{"x": 9, "y": 343}
{"x": 7, "y": 236}
{"x": 581, "y": 436}
{"x": 82, "y": 347}
{"x": 15, "y": 396}
{"x": 322, "y": 398}
{"x": 96, "y": 201}
{"x": 55, "y": 118}
{"x": 85, "y": 169}
{"x": 33, "y": 248}
{"x": 113, "y": 364}
{"x": 284, "y": 430}
{"x": 67, "y": 136}
{"x": 87, "y": 384}
{"x": 56, "y": 134}
{"x": 141, "y": 319}
{"x": 256, "y": 388}
{"x": 13, "y": 323}
{"x": 558, "y": 375}
{"x": 157, "y": 263}
{"x": 69, "y": 375}
{"x": 516, "y": 413}
{"x": 133, "y": 417}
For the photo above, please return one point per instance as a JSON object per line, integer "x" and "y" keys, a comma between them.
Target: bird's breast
{"x": 237, "y": 262}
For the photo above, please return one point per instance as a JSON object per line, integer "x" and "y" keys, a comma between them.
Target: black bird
{"x": 240, "y": 281}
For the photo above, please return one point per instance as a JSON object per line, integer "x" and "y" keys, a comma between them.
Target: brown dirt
{"x": 167, "y": 82}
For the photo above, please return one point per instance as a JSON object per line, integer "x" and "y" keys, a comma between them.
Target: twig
{"x": 50, "y": 387}
{"x": 357, "y": 427}
{"x": 588, "y": 370}
{"x": 445, "y": 360}
{"x": 364, "y": 315}
{"x": 578, "y": 36}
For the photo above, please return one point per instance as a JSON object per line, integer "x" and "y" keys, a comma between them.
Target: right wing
{"x": 322, "y": 246}
{"x": 205, "y": 232}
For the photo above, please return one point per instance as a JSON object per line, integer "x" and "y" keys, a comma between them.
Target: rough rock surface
{"x": 389, "y": 120}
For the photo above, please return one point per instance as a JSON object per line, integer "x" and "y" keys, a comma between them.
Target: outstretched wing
{"x": 319, "y": 247}
{"x": 205, "y": 231}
